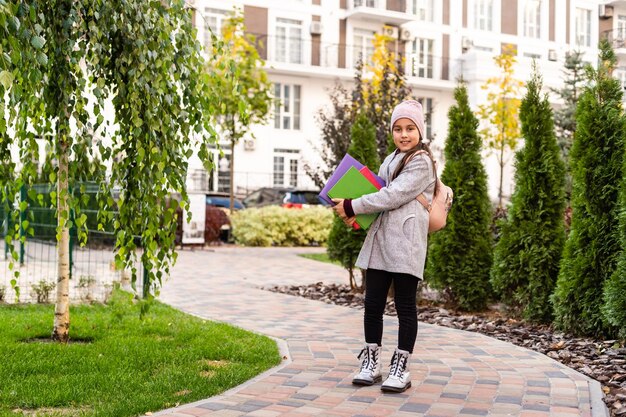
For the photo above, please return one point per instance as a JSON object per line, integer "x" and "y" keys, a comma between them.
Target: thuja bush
{"x": 279, "y": 226}
{"x": 344, "y": 243}
{"x": 526, "y": 258}
{"x": 593, "y": 245}
{"x": 459, "y": 256}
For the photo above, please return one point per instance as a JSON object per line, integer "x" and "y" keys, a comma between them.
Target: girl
{"x": 394, "y": 250}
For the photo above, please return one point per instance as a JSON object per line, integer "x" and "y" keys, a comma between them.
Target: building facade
{"x": 310, "y": 44}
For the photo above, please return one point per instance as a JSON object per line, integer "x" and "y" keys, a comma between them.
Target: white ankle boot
{"x": 370, "y": 371}
{"x": 399, "y": 378}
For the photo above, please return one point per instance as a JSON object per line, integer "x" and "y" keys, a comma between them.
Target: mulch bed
{"x": 602, "y": 360}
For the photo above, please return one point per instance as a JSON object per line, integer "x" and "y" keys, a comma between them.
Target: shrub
{"x": 459, "y": 256}
{"x": 593, "y": 245}
{"x": 86, "y": 287}
{"x": 41, "y": 291}
{"x": 526, "y": 258}
{"x": 215, "y": 218}
{"x": 344, "y": 243}
{"x": 279, "y": 226}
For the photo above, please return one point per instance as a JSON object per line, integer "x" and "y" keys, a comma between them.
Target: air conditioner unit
{"x": 390, "y": 31}
{"x": 552, "y": 55}
{"x": 248, "y": 144}
{"x": 605, "y": 11}
{"x": 316, "y": 28}
{"x": 466, "y": 43}
{"x": 406, "y": 35}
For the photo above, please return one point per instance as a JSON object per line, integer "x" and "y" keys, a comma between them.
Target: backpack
{"x": 440, "y": 206}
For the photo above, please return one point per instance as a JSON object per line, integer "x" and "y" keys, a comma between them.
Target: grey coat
{"x": 396, "y": 240}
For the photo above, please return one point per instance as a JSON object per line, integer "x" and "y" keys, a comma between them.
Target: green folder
{"x": 354, "y": 184}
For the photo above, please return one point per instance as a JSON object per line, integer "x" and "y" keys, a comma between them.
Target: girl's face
{"x": 405, "y": 134}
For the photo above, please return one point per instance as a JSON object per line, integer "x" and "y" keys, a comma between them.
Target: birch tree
{"x": 143, "y": 58}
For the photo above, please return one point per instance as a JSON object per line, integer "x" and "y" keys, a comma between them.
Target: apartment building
{"x": 310, "y": 44}
{"x": 612, "y": 26}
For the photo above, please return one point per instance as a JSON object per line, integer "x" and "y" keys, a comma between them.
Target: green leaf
{"x": 37, "y": 42}
{"x": 6, "y": 79}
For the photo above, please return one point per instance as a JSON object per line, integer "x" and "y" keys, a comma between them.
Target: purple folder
{"x": 345, "y": 164}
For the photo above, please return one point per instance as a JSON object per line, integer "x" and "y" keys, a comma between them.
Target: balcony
{"x": 392, "y": 12}
{"x": 311, "y": 57}
{"x": 617, "y": 39}
{"x": 615, "y": 3}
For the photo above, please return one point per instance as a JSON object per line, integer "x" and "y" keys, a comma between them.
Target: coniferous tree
{"x": 344, "y": 243}
{"x": 614, "y": 307}
{"x": 459, "y": 256}
{"x": 565, "y": 116}
{"x": 593, "y": 246}
{"x": 526, "y": 258}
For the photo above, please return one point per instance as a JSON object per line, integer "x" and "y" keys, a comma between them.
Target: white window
{"x": 532, "y": 19}
{"x": 427, "y": 106}
{"x": 363, "y": 46}
{"x": 422, "y": 9}
{"x": 421, "y": 58}
{"x": 285, "y": 171}
{"x": 213, "y": 21}
{"x": 287, "y": 106}
{"x": 366, "y": 3}
{"x": 620, "y": 35}
{"x": 532, "y": 55}
{"x": 483, "y": 14}
{"x": 223, "y": 173}
{"x": 289, "y": 41}
{"x": 293, "y": 173}
{"x": 583, "y": 27}
{"x": 279, "y": 170}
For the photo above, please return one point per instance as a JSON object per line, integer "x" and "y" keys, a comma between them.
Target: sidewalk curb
{"x": 598, "y": 407}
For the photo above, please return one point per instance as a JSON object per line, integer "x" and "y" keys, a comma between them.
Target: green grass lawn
{"x": 322, "y": 257}
{"x": 128, "y": 367}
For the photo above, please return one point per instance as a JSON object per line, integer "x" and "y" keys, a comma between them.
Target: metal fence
{"x": 92, "y": 268}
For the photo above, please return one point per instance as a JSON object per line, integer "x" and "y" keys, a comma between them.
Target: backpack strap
{"x": 422, "y": 198}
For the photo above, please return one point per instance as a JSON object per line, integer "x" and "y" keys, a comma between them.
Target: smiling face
{"x": 405, "y": 134}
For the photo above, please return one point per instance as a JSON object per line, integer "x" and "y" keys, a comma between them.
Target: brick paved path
{"x": 454, "y": 373}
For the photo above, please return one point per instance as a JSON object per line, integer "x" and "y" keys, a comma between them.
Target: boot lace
{"x": 397, "y": 365}
{"x": 369, "y": 358}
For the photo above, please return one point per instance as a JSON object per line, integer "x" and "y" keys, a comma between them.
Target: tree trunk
{"x": 232, "y": 174}
{"x": 62, "y": 306}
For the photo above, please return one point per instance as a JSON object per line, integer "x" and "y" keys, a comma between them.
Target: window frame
{"x": 586, "y": 35}
{"x": 428, "y": 9}
{"x": 220, "y": 16}
{"x": 425, "y": 61}
{"x": 490, "y": 14}
{"x": 287, "y": 106}
{"x": 365, "y": 49}
{"x": 289, "y": 24}
{"x": 534, "y": 25}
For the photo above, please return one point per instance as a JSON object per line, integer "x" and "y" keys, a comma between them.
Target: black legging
{"x": 376, "y": 289}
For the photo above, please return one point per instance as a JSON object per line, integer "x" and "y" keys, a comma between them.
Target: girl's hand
{"x": 349, "y": 221}
{"x": 338, "y": 208}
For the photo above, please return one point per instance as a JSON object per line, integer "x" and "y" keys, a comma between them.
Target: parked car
{"x": 283, "y": 196}
{"x": 222, "y": 200}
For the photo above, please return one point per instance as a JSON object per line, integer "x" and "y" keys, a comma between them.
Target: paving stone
{"x": 455, "y": 373}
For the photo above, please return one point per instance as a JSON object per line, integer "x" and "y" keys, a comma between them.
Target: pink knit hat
{"x": 410, "y": 109}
